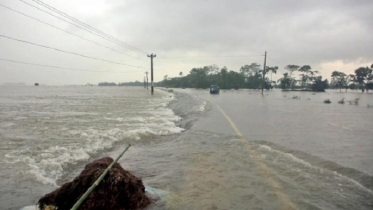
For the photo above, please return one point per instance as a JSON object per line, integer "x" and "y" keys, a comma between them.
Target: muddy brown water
{"x": 292, "y": 153}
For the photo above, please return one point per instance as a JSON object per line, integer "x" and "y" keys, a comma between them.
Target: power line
{"x": 83, "y": 26}
{"x": 59, "y": 18}
{"x": 273, "y": 59}
{"x": 276, "y": 61}
{"x": 216, "y": 56}
{"x": 89, "y": 31}
{"x": 64, "y": 68}
{"x": 48, "y": 24}
{"x": 85, "y": 56}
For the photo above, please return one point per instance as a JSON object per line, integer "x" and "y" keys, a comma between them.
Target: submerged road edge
{"x": 285, "y": 200}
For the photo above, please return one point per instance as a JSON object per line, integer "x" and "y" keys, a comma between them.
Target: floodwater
{"x": 235, "y": 150}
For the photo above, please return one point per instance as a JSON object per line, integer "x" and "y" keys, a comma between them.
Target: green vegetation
{"x": 308, "y": 80}
{"x": 354, "y": 102}
{"x": 253, "y": 77}
{"x": 107, "y": 84}
{"x": 295, "y": 97}
{"x": 362, "y": 79}
{"x": 249, "y": 76}
{"x": 136, "y": 83}
{"x": 327, "y": 101}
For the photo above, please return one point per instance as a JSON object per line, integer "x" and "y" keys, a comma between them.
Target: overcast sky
{"x": 327, "y": 35}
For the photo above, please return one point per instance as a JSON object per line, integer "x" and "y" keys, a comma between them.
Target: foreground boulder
{"x": 118, "y": 190}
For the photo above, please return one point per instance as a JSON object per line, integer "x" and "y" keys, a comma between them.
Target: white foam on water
{"x": 46, "y": 163}
{"x": 202, "y": 106}
{"x": 47, "y": 167}
{"x": 292, "y": 158}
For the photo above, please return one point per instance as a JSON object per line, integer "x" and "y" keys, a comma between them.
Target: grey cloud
{"x": 195, "y": 26}
{"x": 292, "y": 31}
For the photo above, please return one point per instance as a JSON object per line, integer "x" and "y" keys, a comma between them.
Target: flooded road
{"x": 235, "y": 150}
{"x": 273, "y": 152}
{"x": 341, "y": 133}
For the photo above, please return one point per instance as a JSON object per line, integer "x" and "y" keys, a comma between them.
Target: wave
{"x": 316, "y": 165}
{"x": 70, "y": 142}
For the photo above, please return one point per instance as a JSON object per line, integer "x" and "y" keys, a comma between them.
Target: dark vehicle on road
{"x": 214, "y": 89}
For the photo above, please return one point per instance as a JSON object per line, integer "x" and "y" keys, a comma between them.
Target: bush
{"x": 327, "y": 101}
{"x": 354, "y": 102}
{"x": 296, "y": 97}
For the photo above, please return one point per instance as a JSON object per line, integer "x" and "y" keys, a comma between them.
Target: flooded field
{"x": 235, "y": 150}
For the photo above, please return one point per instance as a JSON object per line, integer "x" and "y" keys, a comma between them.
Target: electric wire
{"x": 112, "y": 39}
{"x": 274, "y": 60}
{"x": 278, "y": 62}
{"x": 58, "y": 17}
{"x": 65, "y": 68}
{"x": 48, "y": 24}
{"x": 68, "y": 52}
{"x": 84, "y": 24}
{"x": 89, "y": 31}
{"x": 213, "y": 56}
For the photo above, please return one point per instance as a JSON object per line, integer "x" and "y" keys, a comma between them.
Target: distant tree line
{"x": 301, "y": 78}
{"x": 136, "y": 83}
{"x": 362, "y": 79}
{"x": 107, "y": 84}
{"x": 249, "y": 76}
{"x": 307, "y": 79}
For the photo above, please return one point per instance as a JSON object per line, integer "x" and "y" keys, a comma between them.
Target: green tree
{"x": 250, "y": 70}
{"x": 223, "y": 78}
{"x": 292, "y": 68}
{"x": 213, "y": 69}
{"x": 252, "y": 76}
{"x": 363, "y": 76}
{"x": 351, "y": 82}
{"x": 285, "y": 81}
{"x": 319, "y": 85}
{"x": 266, "y": 83}
{"x": 369, "y": 84}
{"x": 305, "y": 75}
{"x": 198, "y": 77}
{"x": 339, "y": 80}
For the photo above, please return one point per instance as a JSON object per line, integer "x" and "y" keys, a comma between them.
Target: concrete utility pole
{"x": 264, "y": 68}
{"x": 147, "y": 79}
{"x": 151, "y": 74}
